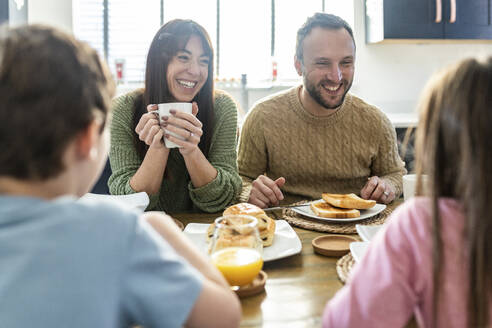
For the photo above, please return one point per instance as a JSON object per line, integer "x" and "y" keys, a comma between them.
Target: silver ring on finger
{"x": 191, "y": 135}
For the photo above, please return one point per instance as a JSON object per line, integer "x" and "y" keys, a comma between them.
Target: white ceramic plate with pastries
{"x": 340, "y": 208}
{"x": 281, "y": 243}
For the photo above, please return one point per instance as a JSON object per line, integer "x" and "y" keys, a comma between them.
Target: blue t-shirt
{"x": 69, "y": 264}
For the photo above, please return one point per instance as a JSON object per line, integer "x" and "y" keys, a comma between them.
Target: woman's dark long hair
{"x": 454, "y": 147}
{"x": 171, "y": 38}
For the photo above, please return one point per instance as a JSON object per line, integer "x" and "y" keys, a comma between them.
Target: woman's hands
{"x": 149, "y": 130}
{"x": 185, "y": 125}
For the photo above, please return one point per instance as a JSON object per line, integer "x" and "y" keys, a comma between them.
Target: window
{"x": 131, "y": 28}
{"x": 288, "y": 18}
{"x": 88, "y": 22}
{"x": 244, "y": 44}
{"x": 245, "y": 39}
{"x": 203, "y": 12}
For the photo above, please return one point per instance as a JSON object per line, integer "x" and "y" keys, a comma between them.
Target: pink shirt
{"x": 394, "y": 279}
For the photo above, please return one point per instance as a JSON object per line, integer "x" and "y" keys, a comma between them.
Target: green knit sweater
{"x": 177, "y": 193}
{"x": 334, "y": 154}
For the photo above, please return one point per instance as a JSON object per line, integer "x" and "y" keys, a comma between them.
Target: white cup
{"x": 164, "y": 111}
{"x": 410, "y": 183}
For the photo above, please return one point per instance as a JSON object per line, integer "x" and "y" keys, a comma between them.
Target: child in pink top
{"x": 432, "y": 245}
{"x": 394, "y": 278}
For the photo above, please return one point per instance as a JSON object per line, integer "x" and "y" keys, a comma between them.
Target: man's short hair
{"x": 51, "y": 88}
{"x": 323, "y": 20}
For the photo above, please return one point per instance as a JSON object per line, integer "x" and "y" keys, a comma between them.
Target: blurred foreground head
{"x": 454, "y": 147}
{"x": 455, "y": 136}
{"x": 52, "y": 87}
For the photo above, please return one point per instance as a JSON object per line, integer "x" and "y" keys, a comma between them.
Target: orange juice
{"x": 239, "y": 265}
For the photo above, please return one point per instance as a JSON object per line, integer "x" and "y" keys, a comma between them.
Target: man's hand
{"x": 378, "y": 190}
{"x": 266, "y": 192}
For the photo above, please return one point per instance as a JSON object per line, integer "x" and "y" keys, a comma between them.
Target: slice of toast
{"x": 348, "y": 201}
{"x": 325, "y": 210}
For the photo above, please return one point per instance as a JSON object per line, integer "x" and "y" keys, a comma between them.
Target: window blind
{"x": 245, "y": 31}
{"x": 132, "y": 25}
{"x": 88, "y": 22}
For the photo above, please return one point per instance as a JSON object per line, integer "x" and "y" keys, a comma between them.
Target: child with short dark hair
{"x": 65, "y": 263}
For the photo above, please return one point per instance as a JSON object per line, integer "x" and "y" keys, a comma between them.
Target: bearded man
{"x": 317, "y": 137}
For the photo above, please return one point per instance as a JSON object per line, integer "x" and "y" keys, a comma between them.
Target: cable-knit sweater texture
{"x": 177, "y": 193}
{"x": 335, "y": 154}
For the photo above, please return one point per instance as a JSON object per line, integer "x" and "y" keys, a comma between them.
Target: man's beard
{"x": 315, "y": 93}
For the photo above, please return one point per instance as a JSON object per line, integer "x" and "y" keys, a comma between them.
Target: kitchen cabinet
{"x": 428, "y": 19}
{"x": 473, "y": 20}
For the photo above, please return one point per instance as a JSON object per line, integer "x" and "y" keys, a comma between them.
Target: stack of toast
{"x": 341, "y": 206}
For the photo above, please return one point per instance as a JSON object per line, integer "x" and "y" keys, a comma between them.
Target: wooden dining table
{"x": 297, "y": 287}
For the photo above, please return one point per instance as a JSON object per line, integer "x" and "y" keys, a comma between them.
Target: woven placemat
{"x": 334, "y": 227}
{"x": 344, "y": 265}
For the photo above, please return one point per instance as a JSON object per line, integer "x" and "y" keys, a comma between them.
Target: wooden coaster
{"x": 339, "y": 227}
{"x": 179, "y": 224}
{"x": 344, "y": 265}
{"x": 255, "y": 287}
{"x": 333, "y": 245}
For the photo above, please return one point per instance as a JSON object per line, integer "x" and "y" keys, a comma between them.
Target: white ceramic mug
{"x": 410, "y": 183}
{"x": 164, "y": 111}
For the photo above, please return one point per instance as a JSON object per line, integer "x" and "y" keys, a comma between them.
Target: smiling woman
{"x": 199, "y": 175}
{"x": 188, "y": 70}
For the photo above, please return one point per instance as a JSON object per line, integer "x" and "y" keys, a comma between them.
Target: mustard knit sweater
{"x": 334, "y": 154}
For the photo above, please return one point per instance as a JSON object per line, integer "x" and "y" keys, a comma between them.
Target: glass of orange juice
{"x": 236, "y": 248}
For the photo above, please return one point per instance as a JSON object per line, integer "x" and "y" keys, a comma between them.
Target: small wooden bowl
{"x": 255, "y": 287}
{"x": 333, "y": 245}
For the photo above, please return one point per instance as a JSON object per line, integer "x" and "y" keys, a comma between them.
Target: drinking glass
{"x": 236, "y": 248}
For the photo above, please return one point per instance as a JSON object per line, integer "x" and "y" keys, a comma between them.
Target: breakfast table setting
{"x": 301, "y": 281}
{"x": 308, "y": 261}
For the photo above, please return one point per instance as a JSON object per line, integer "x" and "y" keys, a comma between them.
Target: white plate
{"x": 367, "y": 232}
{"x": 358, "y": 249}
{"x": 139, "y": 200}
{"x": 364, "y": 214}
{"x": 285, "y": 242}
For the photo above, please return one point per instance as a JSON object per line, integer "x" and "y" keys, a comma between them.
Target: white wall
{"x": 53, "y": 12}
